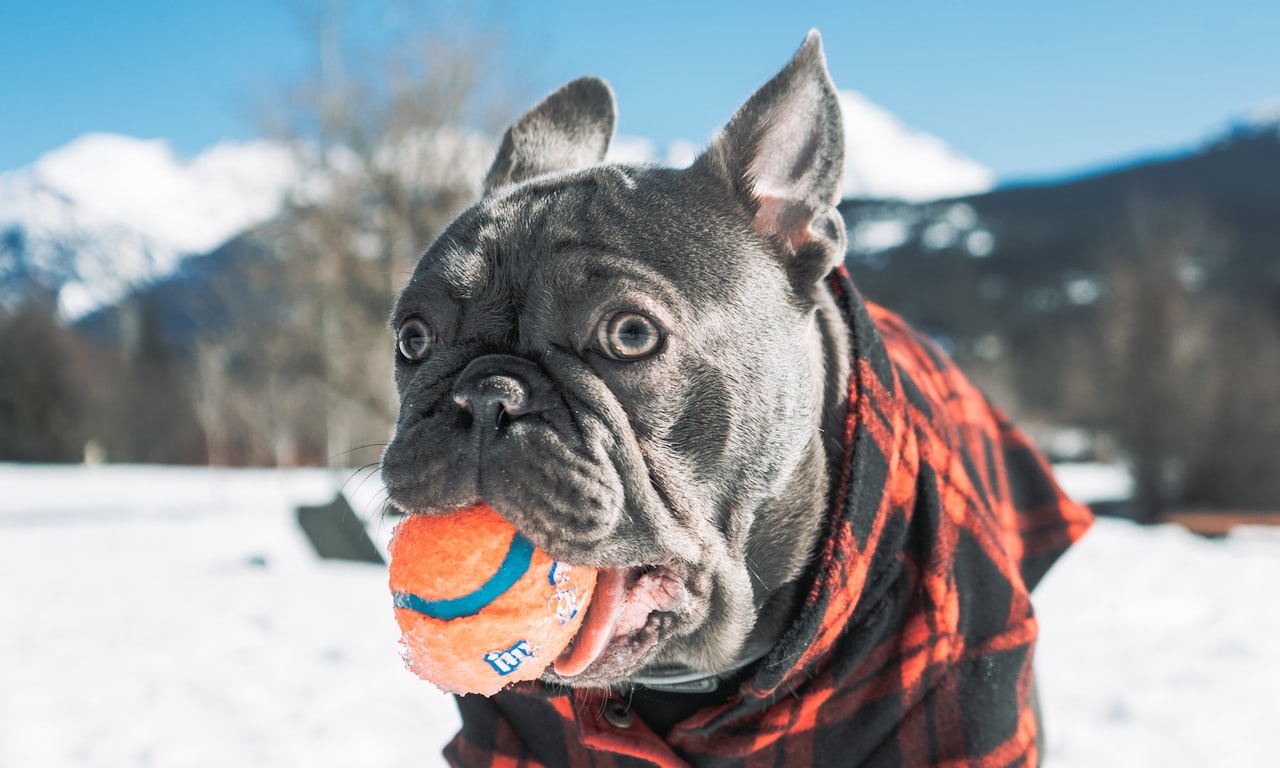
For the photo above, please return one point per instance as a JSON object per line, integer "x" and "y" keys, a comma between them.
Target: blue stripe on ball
{"x": 513, "y": 567}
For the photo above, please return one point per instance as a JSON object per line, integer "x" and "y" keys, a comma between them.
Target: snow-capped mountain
{"x": 884, "y": 158}
{"x": 91, "y": 220}
{"x": 1264, "y": 114}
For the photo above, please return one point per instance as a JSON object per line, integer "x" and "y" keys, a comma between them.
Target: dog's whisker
{"x": 369, "y": 470}
{"x": 350, "y": 451}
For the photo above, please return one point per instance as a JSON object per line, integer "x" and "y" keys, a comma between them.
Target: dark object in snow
{"x": 1217, "y": 523}
{"x": 336, "y": 533}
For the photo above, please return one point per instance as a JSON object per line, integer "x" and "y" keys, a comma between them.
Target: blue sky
{"x": 1030, "y": 89}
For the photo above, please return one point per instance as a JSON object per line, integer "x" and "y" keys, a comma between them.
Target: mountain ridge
{"x": 93, "y": 220}
{"x": 97, "y": 217}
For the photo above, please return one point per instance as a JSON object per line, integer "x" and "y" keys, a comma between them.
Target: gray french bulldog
{"x": 643, "y": 370}
{"x": 815, "y": 538}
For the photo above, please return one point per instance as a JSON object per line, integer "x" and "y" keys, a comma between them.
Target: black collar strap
{"x": 696, "y": 682}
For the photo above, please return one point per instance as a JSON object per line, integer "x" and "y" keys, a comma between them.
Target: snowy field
{"x": 177, "y": 617}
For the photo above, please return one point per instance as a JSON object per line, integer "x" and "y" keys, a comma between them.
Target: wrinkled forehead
{"x": 561, "y": 234}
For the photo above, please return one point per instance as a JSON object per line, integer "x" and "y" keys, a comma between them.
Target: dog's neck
{"x": 816, "y": 484}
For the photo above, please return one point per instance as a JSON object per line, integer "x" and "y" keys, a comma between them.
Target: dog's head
{"x": 625, "y": 363}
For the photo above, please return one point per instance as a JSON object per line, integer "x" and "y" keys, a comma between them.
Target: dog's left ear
{"x": 569, "y": 129}
{"x": 783, "y": 155}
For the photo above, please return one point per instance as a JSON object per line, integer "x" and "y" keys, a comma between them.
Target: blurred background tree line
{"x": 274, "y": 349}
{"x": 1140, "y": 307}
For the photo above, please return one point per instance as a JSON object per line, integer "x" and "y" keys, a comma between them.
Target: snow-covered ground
{"x": 174, "y": 617}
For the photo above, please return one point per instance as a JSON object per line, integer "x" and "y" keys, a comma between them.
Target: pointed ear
{"x": 569, "y": 129}
{"x": 782, "y": 155}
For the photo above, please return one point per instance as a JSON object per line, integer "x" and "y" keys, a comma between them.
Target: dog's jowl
{"x": 817, "y": 539}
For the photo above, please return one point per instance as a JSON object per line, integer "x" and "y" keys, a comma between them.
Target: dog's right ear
{"x": 782, "y": 156}
{"x": 569, "y": 129}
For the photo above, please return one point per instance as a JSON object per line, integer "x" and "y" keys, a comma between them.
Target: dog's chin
{"x": 632, "y": 612}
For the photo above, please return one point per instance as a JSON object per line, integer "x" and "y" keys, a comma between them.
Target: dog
{"x": 815, "y": 539}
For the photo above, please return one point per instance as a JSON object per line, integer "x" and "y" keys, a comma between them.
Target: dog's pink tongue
{"x": 599, "y": 625}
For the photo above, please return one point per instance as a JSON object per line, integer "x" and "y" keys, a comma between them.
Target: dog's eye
{"x": 629, "y": 336}
{"x": 414, "y": 339}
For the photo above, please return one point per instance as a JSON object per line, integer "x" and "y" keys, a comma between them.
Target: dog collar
{"x": 696, "y": 682}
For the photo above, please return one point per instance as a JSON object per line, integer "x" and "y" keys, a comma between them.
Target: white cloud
{"x": 681, "y": 153}
{"x": 632, "y": 150}
{"x": 637, "y": 150}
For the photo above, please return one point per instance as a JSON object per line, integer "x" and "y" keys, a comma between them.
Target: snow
{"x": 1088, "y": 482}
{"x": 177, "y": 617}
{"x": 1261, "y": 115}
{"x": 870, "y": 236}
{"x": 107, "y": 212}
{"x": 188, "y": 206}
{"x": 877, "y": 228}
{"x": 1158, "y": 648}
{"x": 1266, "y": 112}
{"x": 886, "y": 159}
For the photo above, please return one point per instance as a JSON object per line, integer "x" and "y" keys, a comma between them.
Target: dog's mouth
{"x": 623, "y": 622}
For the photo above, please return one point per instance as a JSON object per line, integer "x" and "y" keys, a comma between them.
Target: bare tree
{"x": 1146, "y": 322}
{"x": 390, "y": 147}
{"x": 1233, "y": 455}
{"x": 1190, "y": 377}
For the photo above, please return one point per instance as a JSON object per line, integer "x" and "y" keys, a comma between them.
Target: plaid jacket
{"x": 914, "y": 643}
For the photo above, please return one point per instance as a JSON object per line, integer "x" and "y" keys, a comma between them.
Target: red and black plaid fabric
{"x": 915, "y": 640}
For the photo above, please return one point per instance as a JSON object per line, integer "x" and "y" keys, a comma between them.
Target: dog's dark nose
{"x": 495, "y": 399}
{"x": 496, "y": 390}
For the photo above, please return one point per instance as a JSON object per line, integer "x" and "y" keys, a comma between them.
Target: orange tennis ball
{"x": 479, "y": 606}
